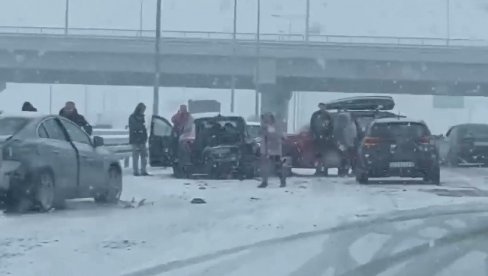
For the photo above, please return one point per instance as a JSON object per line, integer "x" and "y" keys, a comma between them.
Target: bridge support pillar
{"x": 275, "y": 99}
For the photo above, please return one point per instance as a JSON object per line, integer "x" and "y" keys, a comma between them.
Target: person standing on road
{"x": 69, "y": 112}
{"x": 345, "y": 134}
{"x": 322, "y": 128}
{"x": 27, "y": 106}
{"x": 138, "y": 139}
{"x": 271, "y": 150}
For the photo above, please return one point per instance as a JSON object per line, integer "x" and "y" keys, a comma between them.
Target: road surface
{"x": 331, "y": 226}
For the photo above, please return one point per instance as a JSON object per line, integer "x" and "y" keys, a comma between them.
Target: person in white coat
{"x": 345, "y": 134}
{"x": 271, "y": 150}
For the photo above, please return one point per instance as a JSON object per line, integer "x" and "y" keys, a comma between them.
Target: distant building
{"x": 203, "y": 106}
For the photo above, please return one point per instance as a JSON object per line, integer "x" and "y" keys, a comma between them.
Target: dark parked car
{"x": 398, "y": 147}
{"x": 219, "y": 147}
{"x": 302, "y": 148}
{"x": 465, "y": 144}
{"x": 47, "y": 159}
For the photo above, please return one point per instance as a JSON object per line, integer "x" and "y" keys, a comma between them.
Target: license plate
{"x": 402, "y": 165}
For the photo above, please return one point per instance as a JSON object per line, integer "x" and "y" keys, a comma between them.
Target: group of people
{"x": 331, "y": 134}
{"x": 138, "y": 134}
{"x": 69, "y": 111}
{"x": 328, "y": 133}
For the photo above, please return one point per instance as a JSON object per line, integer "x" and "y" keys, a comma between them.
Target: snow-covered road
{"x": 168, "y": 234}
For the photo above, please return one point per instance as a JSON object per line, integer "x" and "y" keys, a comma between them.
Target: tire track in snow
{"x": 397, "y": 216}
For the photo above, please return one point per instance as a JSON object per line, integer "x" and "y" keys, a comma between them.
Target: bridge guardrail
{"x": 268, "y": 37}
{"x": 117, "y": 141}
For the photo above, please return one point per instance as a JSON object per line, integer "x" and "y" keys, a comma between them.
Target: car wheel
{"x": 113, "y": 191}
{"x": 45, "y": 191}
{"x": 177, "y": 171}
{"x": 362, "y": 178}
{"x": 452, "y": 160}
{"x": 17, "y": 202}
{"x": 434, "y": 176}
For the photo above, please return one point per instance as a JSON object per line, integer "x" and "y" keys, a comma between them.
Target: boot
{"x": 282, "y": 182}
{"x": 263, "y": 184}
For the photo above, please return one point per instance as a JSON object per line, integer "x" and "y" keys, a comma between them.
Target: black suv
{"x": 398, "y": 147}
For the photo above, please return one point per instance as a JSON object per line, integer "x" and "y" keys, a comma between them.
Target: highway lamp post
{"x": 50, "y": 99}
{"x": 307, "y": 21}
{"x": 233, "y": 78}
{"x": 86, "y": 100}
{"x": 156, "y": 59}
{"x": 448, "y": 21}
{"x": 258, "y": 59}
{"x": 141, "y": 14}
{"x": 295, "y": 108}
{"x": 66, "y": 17}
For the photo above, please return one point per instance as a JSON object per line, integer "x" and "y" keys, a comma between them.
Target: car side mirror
{"x": 98, "y": 141}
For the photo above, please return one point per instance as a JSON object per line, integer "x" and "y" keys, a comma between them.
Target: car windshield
{"x": 9, "y": 126}
{"x": 254, "y": 131}
{"x": 402, "y": 130}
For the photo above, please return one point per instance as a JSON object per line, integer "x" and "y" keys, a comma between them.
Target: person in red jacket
{"x": 181, "y": 120}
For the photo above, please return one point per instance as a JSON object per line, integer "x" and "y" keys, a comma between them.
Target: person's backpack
{"x": 322, "y": 125}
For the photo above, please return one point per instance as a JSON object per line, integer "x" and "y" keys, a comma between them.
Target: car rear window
{"x": 400, "y": 129}
{"x": 364, "y": 122}
{"x": 10, "y": 126}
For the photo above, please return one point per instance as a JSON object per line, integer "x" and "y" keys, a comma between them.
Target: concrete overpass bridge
{"x": 206, "y": 59}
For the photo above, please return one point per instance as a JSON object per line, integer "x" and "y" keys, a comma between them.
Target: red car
{"x": 301, "y": 146}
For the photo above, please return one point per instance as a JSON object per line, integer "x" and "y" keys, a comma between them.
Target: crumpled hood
{"x": 222, "y": 150}
{"x": 4, "y": 138}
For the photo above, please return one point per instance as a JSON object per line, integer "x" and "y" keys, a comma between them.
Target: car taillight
{"x": 425, "y": 140}
{"x": 371, "y": 141}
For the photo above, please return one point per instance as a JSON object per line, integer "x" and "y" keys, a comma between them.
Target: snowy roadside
{"x": 101, "y": 240}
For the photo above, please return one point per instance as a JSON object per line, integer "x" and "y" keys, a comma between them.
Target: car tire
{"x": 177, "y": 171}
{"x": 362, "y": 178}
{"x": 113, "y": 190}
{"x": 452, "y": 160}
{"x": 17, "y": 202}
{"x": 45, "y": 196}
{"x": 433, "y": 176}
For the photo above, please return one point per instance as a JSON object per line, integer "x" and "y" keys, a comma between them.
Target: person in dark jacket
{"x": 321, "y": 123}
{"x": 27, "y": 106}
{"x": 138, "y": 139}
{"x": 69, "y": 112}
{"x": 322, "y": 130}
{"x": 271, "y": 150}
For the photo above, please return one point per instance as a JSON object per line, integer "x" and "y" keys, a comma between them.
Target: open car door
{"x": 161, "y": 143}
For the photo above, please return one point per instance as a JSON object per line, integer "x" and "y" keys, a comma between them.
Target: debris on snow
{"x": 133, "y": 203}
{"x": 202, "y": 188}
{"x": 123, "y": 244}
{"x": 198, "y": 201}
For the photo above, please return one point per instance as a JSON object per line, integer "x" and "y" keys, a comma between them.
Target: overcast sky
{"x": 420, "y": 18}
